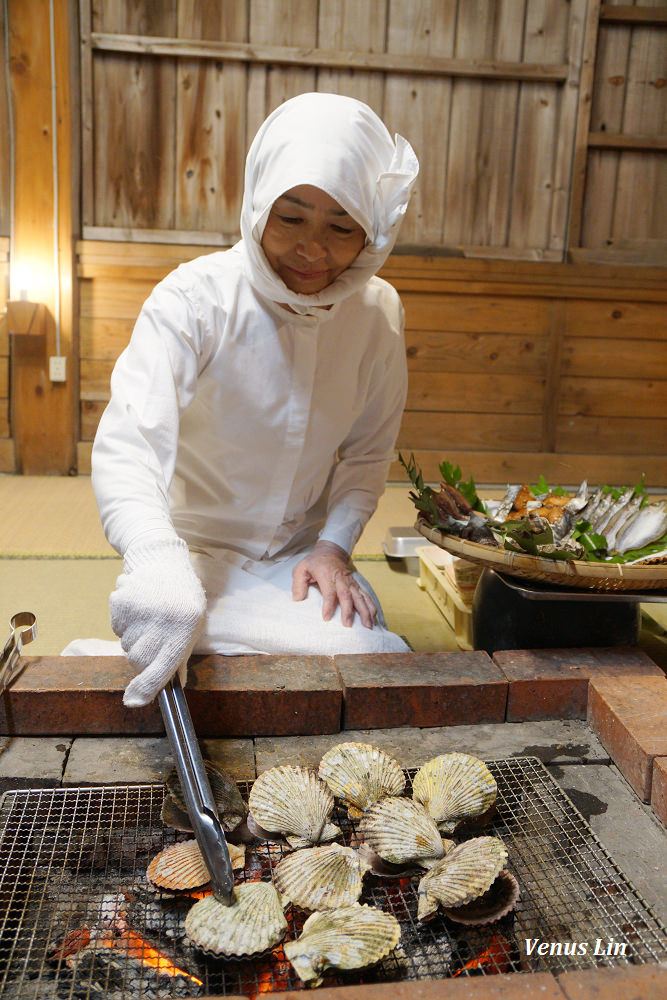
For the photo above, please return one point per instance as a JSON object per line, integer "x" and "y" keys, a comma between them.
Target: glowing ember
{"x": 136, "y": 947}
{"x": 493, "y": 960}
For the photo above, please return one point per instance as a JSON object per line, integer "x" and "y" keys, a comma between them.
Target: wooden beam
{"x": 629, "y": 15}
{"x": 609, "y": 140}
{"x": 586, "y": 81}
{"x": 43, "y": 413}
{"x": 381, "y": 62}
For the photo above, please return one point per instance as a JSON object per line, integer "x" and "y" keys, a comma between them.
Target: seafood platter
{"x": 599, "y": 538}
{"x": 353, "y": 871}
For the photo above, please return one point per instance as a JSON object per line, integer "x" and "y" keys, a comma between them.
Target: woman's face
{"x": 309, "y": 239}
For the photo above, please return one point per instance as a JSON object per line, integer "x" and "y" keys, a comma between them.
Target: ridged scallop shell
{"x": 462, "y": 875}
{"x": 361, "y": 774}
{"x": 401, "y": 831}
{"x": 321, "y": 878}
{"x": 294, "y": 802}
{"x": 182, "y": 866}
{"x": 252, "y": 924}
{"x": 498, "y": 900}
{"x": 232, "y": 810}
{"x": 454, "y": 787}
{"x": 351, "y": 937}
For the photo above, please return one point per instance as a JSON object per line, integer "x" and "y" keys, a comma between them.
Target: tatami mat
{"x": 56, "y": 562}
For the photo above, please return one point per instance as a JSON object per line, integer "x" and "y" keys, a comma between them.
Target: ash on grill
{"x": 78, "y": 919}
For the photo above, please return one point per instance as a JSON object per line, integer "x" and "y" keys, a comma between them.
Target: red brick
{"x": 553, "y": 683}
{"x": 390, "y": 690}
{"x": 264, "y": 695}
{"x": 637, "y": 982}
{"x": 659, "y": 788}
{"x": 74, "y": 695}
{"x": 228, "y": 696}
{"x": 539, "y": 986}
{"x": 629, "y": 715}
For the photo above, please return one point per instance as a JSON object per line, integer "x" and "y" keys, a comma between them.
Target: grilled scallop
{"x": 454, "y": 787}
{"x": 464, "y": 874}
{"x": 181, "y": 866}
{"x": 351, "y": 937}
{"x": 251, "y": 925}
{"x": 293, "y": 802}
{"x": 400, "y": 831}
{"x": 232, "y": 810}
{"x": 360, "y": 775}
{"x": 321, "y": 878}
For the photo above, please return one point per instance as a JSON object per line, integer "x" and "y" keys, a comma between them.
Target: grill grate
{"x": 73, "y": 862}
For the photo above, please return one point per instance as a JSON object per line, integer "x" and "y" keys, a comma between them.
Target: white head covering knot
{"x": 340, "y": 145}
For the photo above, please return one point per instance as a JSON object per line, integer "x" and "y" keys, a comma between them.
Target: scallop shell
{"x": 462, "y": 875}
{"x": 294, "y": 802}
{"x": 232, "y": 810}
{"x": 401, "y": 831}
{"x": 454, "y": 787}
{"x": 361, "y": 774}
{"x": 182, "y": 866}
{"x": 351, "y": 937}
{"x": 252, "y": 924}
{"x": 321, "y": 878}
{"x": 499, "y": 900}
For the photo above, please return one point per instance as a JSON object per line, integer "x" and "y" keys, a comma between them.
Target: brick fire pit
{"x": 620, "y": 692}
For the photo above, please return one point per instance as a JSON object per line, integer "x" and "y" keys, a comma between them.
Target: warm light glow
{"x": 136, "y": 947}
{"x": 31, "y": 279}
{"x": 492, "y": 960}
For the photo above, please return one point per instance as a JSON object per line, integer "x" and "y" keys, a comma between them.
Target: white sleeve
{"x": 360, "y": 475}
{"x": 135, "y": 447}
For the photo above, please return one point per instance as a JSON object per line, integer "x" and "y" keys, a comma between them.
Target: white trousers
{"x": 250, "y": 610}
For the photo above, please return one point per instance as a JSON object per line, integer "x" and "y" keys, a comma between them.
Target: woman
{"x": 254, "y": 413}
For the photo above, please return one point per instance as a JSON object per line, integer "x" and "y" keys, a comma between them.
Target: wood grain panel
{"x": 104, "y": 339}
{"x": 5, "y": 161}
{"x": 479, "y": 393}
{"x": 210, "y": 121}
{"x": 475, "y": 313}
{"x": 613, "y": 435}
{"x": 613, "y": 397}
{"x": 352, "y": 27}
{"x": 95, "y": 377}
{"x": 419, "y": 109}
{"x": 91, "y": 413}
{"x": 429, "y": 350}
{"x": 122, "y": 299}
{"x": 613, "y": 358}
{"x": 485, "y": 432}
{"x": 617, "y": 319}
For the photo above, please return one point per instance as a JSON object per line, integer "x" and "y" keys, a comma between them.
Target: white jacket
{"x": 240, "y": 424}
{"x": 245, "y": 426}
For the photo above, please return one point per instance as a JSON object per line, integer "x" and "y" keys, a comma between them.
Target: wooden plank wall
{"x": 4, "y": 343}
{"x": 493, "y": 122}
{"x": 495, "y": 96}
{"x": 515, "y": 367}
{"x": 626, "y": 174}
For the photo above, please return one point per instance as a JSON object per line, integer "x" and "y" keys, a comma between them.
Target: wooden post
{"x": 43, "y": 412}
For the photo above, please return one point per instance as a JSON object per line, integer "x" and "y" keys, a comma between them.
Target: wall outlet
{"x": 58, "y": 368}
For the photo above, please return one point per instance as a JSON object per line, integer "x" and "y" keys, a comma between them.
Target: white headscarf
{"x": 340, "y": 145}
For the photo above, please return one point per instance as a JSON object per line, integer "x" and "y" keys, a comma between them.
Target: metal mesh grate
{"x": 72, "y": 873}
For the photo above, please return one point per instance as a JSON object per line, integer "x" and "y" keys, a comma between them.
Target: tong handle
{"x": 196, "y": 789}
{"x": 24, "y": 630}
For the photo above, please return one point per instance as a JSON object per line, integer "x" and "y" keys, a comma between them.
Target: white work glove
{"x": 157, "y": 612}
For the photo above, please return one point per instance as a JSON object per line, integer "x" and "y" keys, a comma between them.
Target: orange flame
{"x": 134, "y": 946}
{"x": 493, "y": 959}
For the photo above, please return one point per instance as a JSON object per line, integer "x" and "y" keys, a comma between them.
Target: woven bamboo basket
{"x": 568, "y": 573}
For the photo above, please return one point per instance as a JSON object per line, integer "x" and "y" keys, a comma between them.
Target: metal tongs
{"x": 24, "y": 630}
{"x": 196, "y": 789}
